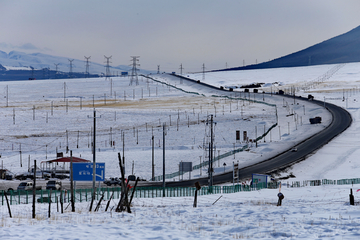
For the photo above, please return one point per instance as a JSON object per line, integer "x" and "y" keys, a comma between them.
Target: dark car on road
{"x": 112, "y": 181}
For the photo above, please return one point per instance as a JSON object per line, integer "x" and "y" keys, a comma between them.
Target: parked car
{"x": 132, "y": 178}
{"x": 22, "y": 176}
{"x": 112, "y": 181}
{"x": 53, "y": 185}
{"x": 62, "y": 176}
{"x": 9, "y": 176}
{"x": 27, "y": 186}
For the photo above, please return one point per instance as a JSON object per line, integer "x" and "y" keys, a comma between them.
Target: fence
{"x": 324, "y": 182}
{"x": 84, "y": 195}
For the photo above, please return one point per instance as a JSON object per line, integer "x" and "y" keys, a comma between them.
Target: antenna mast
{"x": 134, "y": 76}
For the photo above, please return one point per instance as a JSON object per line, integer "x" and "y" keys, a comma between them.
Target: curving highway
{"x": 341, "y": 120}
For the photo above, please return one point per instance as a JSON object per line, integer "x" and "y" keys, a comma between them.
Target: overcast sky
{"x": 173, "y": 32}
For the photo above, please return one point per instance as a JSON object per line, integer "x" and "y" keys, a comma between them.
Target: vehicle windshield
{"x": 23, "y": 184}
{"x": 51, "y": 182}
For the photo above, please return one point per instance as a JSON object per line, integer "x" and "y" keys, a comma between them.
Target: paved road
{"x": 341, "y": 120}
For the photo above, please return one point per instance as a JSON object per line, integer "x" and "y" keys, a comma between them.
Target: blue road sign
{"x": 84, "y": 172}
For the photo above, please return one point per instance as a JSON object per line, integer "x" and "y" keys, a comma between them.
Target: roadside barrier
{"x": 84, "y": 195}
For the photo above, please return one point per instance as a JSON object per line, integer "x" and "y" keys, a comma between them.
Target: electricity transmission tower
{"x": 181, "y": 68}
{"x": 134, "y": 76}
{"x": 32, "y": 73}
{"x": 56, "y": 69}
{"x": 71, "y": 68}
{"x": 87, "y": 66}
{"x": 107, "y": 72}
{"x": 203, "y": 69}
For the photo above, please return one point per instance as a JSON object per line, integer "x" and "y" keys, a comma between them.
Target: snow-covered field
{"x": 46, "y": 116}
{"x": 306, "y": 213}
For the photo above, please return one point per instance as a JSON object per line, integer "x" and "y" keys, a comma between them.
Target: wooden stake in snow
{"x": 134, "y": 189}
{"x": 34, "y": 191}
{"x": 217, "y": 200}
{"x": 123, "y": 203}
{"x": 198, "y": 187}
{"x": 280, "y": 196}
{"x": 99, "y": 203}
{"x": 49, "y": 199}
{"x": 8, "y": 205}
{"x": 61, "y": 201}
{"x": 351, "y": 197}
{"x": 108, "y": 203}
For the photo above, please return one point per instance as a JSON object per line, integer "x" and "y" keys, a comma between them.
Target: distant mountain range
{"x": 344, "y": 48}
{"x": 22, "y": 66}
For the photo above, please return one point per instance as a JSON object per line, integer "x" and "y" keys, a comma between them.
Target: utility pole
{"x": 34, "y": 191}
{"x": 123, "y": 150}
{"x": 87, "y": 66}
{"x": 94, "y": 161}
{"x": 134, "y": 76}
{"x": 158, "y": 67}
{"x": 211, "y": 154}
{"x": 107, "y": 67}
{"x": 64, "y": 91}
{"x": 94, "y": 154}
{"x": 153, "y": 163}
{"x": 164, "y": 159}
{"x": 7, "y": 95}
{"x": 72, "y": 184}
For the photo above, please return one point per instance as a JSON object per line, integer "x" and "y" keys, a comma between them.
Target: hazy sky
{"x": 173, "y": 32}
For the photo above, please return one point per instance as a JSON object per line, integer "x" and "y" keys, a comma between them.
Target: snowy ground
{"x": 308, "y": 212}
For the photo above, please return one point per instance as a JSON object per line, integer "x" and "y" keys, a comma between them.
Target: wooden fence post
{"x": 7, "y": 202}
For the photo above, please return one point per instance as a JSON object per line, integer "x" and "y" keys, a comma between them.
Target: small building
{"x": 60, "y": 165}
{"x": 4, "y": 173}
